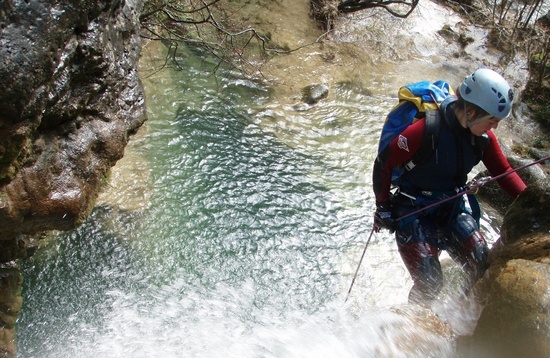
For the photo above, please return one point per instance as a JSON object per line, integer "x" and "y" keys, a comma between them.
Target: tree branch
{"x": 347, "y": 6}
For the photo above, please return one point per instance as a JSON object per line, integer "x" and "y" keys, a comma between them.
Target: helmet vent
{"x": 501, "y": 100}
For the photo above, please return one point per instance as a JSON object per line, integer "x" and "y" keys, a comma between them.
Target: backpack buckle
{"x": 410, "y": 165}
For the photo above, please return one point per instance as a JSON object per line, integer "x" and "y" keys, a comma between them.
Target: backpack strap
{"x": 480, "y": 145}
{"x": 432, "y": 128}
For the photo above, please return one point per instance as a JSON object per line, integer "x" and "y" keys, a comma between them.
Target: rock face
{"x": 70, "y": 98}
{"x": 515, "y": 321}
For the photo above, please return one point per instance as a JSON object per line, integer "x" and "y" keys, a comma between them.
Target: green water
{"x": 256, "y": 217}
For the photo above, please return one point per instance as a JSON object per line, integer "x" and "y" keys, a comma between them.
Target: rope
{"x": 359, "y": 265}
{"x": 472, "y": 187}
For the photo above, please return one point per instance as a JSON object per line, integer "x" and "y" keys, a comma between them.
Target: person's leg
{"x": 422, "y": 260}
{"x": 468, "y": 247}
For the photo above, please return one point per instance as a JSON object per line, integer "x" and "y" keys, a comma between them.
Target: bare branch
{"x": 196, "y": 22}
{"x": 388, "y": 5}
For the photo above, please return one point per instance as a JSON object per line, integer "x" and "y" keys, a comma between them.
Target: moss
{"x": 537, "y": 97}
{"x": 538, "y": 102}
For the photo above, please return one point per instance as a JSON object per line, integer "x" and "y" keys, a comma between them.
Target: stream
{"x": 233, "y": 227}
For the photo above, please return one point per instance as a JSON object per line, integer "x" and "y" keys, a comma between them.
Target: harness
{"x": 409, "y": 195}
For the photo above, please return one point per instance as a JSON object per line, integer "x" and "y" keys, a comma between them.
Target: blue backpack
{"x": 416, "y": 101}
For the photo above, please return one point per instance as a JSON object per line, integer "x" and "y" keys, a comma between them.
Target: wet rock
{"x": 528, "y": 215}
{"x": 448, "y": 33}
{"x": 12, "y": 249}
{"x": 71, "y": 98}
{"x": 325, "y": 13}
{"x": 525, "y": 233}
{"x": 540, "y": 154}
{"x": 534, "y": 177}
{"x": 314, "y": 93}
{"x": 431, "y": 334}
{"x": 544, "y": 20}
{"x": 515, "y": 321}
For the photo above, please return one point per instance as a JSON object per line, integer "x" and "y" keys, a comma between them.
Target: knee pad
{"x": 476, "y": 249}
{"x": 464, "y": 226}
{"x": 472, "y": 255}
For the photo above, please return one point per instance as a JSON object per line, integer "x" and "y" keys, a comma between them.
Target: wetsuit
{"x": 450, "y": 226}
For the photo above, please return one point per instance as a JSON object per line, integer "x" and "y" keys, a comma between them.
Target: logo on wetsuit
{"x": 402, "y": 143}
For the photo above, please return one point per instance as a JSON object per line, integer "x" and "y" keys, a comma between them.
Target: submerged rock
{"x": 128, "y": 186}
{"x": 314, "y": 93}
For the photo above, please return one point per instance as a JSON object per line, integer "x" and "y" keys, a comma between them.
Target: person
{"x": 482, "y": 100}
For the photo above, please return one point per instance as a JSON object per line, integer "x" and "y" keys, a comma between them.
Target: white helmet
{"x": 489, "y": 91}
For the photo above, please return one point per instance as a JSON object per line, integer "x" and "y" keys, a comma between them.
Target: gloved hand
{"x": 383, "y": 217}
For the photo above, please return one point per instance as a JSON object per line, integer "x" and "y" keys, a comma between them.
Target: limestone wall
{"x": 70, "y": 97}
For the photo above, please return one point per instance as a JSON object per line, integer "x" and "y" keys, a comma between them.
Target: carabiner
{"x": 474, "y": 185}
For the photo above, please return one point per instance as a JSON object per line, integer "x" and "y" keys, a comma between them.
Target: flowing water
{"x": 235, "y": 232}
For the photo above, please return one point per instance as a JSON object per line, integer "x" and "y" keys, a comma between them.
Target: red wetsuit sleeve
{"x": 400, "y": 150}
{"x": 496, "y": 163}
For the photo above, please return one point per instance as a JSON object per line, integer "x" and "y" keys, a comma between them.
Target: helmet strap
{"x": 473, "y": 122}
{"x": 478, "y": 120}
